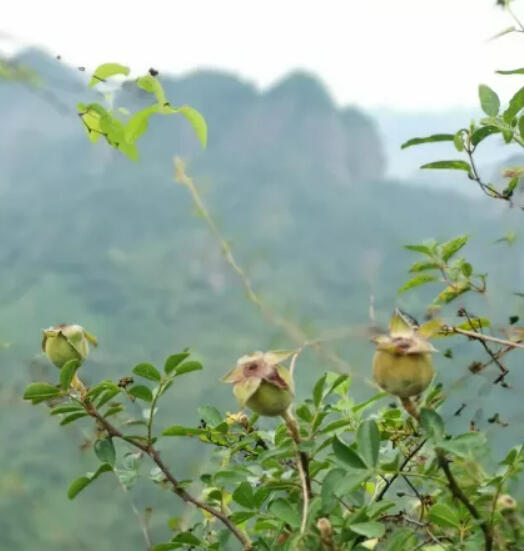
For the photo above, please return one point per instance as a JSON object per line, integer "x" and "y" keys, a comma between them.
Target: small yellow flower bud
{"x": 64, "y": 343}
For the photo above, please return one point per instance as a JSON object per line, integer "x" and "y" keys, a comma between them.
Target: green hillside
{"x": 295, "y": 182}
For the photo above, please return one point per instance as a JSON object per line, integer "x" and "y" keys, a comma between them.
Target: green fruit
{"x": 402, "y": 375}
{"x": 270, "y": 400}
{"x": 64, "y": 343}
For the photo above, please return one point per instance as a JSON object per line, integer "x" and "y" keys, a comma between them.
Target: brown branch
{"x": 457, "y": 492}
{"x": 481, "y": 337}
{"x": 177, "y": 487}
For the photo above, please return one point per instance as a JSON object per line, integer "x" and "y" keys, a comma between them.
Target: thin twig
{"x": 177, "y": 487}
{"x": 302, "y": 461}
{"x": 408, "y": 458}
{"x": 457, "y": 492}
{"x": 481, "y": 337}
{"x": 289, "y": 328}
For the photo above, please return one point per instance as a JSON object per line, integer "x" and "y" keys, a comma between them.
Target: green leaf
{"x": 515, "y": 105}
{"x": 137, "y": 124}
{"x": 107, "y": 396}
{"x": 77, "y": 486}
{"x": 474, "y": 324}
{"x": 80, "y": 483}
{"x": 466, "y": 445}
{"x": 40, "y": 391}
{"x": 318, "y": 390}
{"x": 458, "y": 141}
{"x": 467, "y": 269}
{"x": 285, "y": 512}
{"x": 197, "y": 122}
{"x": 210, "y": 415}
{"x": 368, "y": 442}
{"x": 241, "y": 516}
{"x": 451, "y": 247}
{"x": 244, "y": 496}
{"x": 428, "y": 139}
{"x": 147, "y": 371}
{"x": 107, "y": 70}
{"x": 422, "y": 266}
{"x": 105, "y": 451}
{"x": 65, "y": 409}
{"x": 443, "y": 515}
{"x": 150, "y": 84}
{"x": 416, "y": 281}
{"x": 141, "y": 392}
{"x": 513, "y": 183}
{"x": 489, "y": 101}
{"x": 482, "y": 133}
{"x": 179, "y": 430}
{"x": 173, "y": 361}
{"x": 73, "y": 417}
{"x": 347, "y": 455}
{"x": 188, "y": 367}
{"x": 419, "y": 249}
{"x": 511, "y": 71}
{"x": 451, "y": 292}
{"x": 67, "y": 372}
{"x": 368, "y": 529}
{"x": 166, "y": 546}
{"x": 432, "y": 423}
{"x": 452, "y": 165}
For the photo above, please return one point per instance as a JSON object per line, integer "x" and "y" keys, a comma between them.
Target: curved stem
{"x": 176, "y": 486}
{"x": 302, "y": 461}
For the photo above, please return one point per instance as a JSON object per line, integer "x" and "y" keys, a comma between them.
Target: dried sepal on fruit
{"x": 63, "y": 343}
{"x": 261, "y": 383}
{"x": 402, "y": 364}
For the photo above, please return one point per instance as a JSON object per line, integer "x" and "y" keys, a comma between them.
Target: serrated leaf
{"x": 443, "y": 515}
{"x": 150, "y": 84}
{"x": 73, "y": 417}
{"x": 318, "y": 390}
{"x": 481, "y": 133}
{"x": 489, "y": 101}
{"x": 197, "y": 122}
{"x": 67, "y": 372}
{"x": 451, "y": 292}
{"x": 511, "y": 71}
{"x": 65, "y": 409}
{"x": 419, "y": 249}
{"x": 244, "y": 496}
{"x": 347, "y": 455}
{"x": 188, "y": 367}
{"x": 515, "y": 105}
{"x": 448, "y": 165}
{"x": 105, "y": 451}
{"x": 432, "y": 423}
{"x": 179, "y": 430}
{"x": 458, "y": 141}
{"x": 107, "y": 70}
{"x": 368, "y": 529}
{"x": 423, "y": 266}
{"x": 368, "y": 442}
{"x": 210, "y": 415}
{"x": 40, "y": 391}
{"x": 428, "y": 139}
{"x": 137, "y": 124}
{"x": 474, "y": 324}
{"x": 452, "y": 246}
{"x": 80, "y": 483}
{"x": 147, "y": 371}
{"x": 416, "y": 281}
{"x": 174, "y": 360}
{"x": 285, "y": 512}
{"x": 141, "y": 392}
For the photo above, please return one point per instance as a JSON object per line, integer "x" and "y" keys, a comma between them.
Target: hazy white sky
{"x": 409, "y": 54}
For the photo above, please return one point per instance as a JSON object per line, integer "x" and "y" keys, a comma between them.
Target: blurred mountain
{"x": 297, "y": 184}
